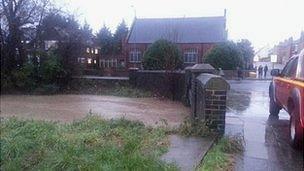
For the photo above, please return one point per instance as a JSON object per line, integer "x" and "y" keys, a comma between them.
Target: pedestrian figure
{"x": 265, "y": 70}
{"x": 260, "y": 70}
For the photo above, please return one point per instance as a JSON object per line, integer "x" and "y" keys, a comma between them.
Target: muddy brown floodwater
{"x": 66, "y": 108}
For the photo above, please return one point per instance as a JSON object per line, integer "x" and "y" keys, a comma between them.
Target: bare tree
{"x": 17, "y": 18}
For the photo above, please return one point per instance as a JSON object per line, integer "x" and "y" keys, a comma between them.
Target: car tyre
{"x": 274, "y": 109}
{"x": 295, "y": 130}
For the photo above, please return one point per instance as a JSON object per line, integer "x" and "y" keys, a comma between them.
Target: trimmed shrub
{"x": 162, "y": 55}
{"x": 226, "y": 56}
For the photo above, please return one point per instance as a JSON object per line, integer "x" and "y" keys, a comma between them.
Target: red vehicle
{"x": 287, "y": 91}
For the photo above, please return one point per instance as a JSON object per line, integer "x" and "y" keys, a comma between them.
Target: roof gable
{"x": 179, "y": 30}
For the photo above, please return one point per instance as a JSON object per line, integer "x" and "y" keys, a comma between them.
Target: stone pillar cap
{"x": 213, "y": 82}
{"x": 201, "y": 68}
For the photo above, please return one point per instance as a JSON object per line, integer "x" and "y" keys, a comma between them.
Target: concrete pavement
{"x": 266, "y": 139}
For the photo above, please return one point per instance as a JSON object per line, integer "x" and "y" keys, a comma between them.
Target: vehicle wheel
{"x": 274, "y": 109}
{"x": 295, "y": 130}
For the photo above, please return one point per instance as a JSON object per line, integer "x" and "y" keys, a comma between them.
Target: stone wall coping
{"x": 161, "y": 71}
{"x": 100, "y": 77}
{"x": 201, "y": 68}
{"x": 213, "y": 82}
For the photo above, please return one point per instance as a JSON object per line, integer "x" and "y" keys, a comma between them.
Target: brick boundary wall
{"x": 232, "y": 74}
{"x": 158, "y": 83}
{"x": 204, "y": 92}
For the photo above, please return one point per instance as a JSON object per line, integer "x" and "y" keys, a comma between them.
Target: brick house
{"x": 286, "y": 49}
{"x": 91, "y": 57}
{"x": 194, "y": 36}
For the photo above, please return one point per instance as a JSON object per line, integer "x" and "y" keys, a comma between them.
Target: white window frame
{"x": 191, "y": 55}
{"x": 89, "y": 60}
{"x": 88, "y": 50}
{"x": 135, "y": 55}
{"x": 96, "y": 51}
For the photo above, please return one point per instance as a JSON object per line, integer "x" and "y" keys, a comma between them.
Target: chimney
{"x": 225, "y": 11}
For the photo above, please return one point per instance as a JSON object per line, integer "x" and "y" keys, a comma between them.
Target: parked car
{"x": 286, "y": 91}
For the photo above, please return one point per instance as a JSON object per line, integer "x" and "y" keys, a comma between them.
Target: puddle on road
{"x": 249, "y": 103}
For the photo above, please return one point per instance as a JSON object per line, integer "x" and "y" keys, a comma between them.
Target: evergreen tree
{"x": 226, "y": 56}
{"x": 105, "y": 40}
{"x": 87, "y": 32}
{"x": 162, "y": 55}
{"x": 247, "y": 53}
{"x": 119, "y": 36}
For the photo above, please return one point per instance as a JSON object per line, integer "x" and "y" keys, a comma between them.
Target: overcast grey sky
{"x": 261, "y": 21}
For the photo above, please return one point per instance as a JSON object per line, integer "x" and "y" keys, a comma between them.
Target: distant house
{"x": 91, "y": 57}
{"x": 286, "y": 49}
{"x": 194, "y": 36}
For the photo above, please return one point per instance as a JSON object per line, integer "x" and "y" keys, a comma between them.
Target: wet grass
{"x": 89, "y": 144}
{"x": 221, "y": 155}
{"x": 122, "y": 91}
{"x": 194, "y": 128}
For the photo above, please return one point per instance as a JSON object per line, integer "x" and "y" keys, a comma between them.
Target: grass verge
{"x": 88, "y": 144}
{"x": 221, "y": 156}
{"x": 122, "y": 91}
{"x": 194, "y": 128}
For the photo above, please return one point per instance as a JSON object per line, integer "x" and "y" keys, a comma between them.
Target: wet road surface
{"x": 266, "y": 138}
{"x": 67, "y": 108}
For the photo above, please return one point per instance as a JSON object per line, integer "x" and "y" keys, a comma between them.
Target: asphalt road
{"x": 266, "y": 138}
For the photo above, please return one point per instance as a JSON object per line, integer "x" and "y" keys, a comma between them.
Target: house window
{"x": 108, "y": 63}
{"x": 190, "y": 55}
{"x": 81, "y": 60}
{"x": 135, "y": 55}
{"x": 89, "y": 60}
{"x": 96, "y": 51}
{"x": 88, "y": 50}
{"x": 92, "y": 51}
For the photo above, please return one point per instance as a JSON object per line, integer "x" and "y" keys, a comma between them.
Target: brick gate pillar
{"x": 211, "y": 96}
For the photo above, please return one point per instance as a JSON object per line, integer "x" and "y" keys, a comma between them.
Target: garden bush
{"x": 6, "y": 82}
{"x": 162, "y": 55}
{"x": 23, "y": 78}
{"x": 51, "y": 69}
{"x": 226, "y": 56}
